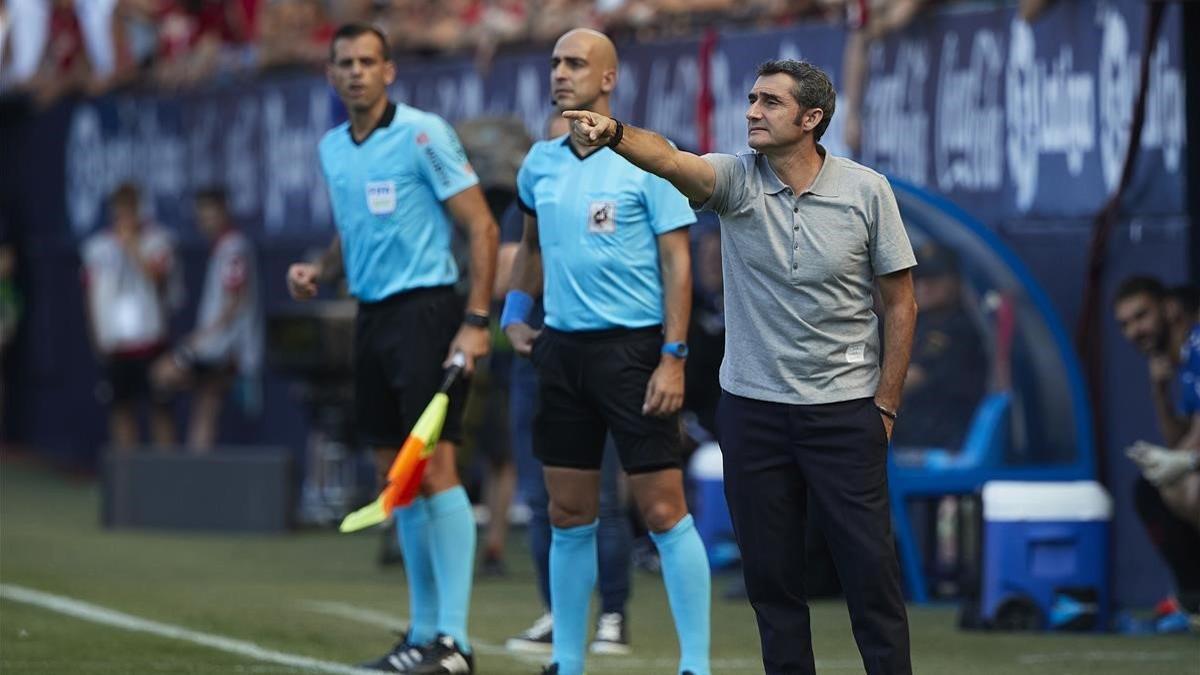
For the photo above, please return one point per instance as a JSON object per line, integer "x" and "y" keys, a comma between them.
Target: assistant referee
{"x": 396, "y": 177}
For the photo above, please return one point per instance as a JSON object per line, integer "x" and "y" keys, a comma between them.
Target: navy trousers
{"x": 777, "y": 455}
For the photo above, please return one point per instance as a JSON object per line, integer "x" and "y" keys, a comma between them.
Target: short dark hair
{"x": 127, "y": 194}
{"x": 212, "y": 193}
{"x": 812, "y": 88}
{"x": 1139, "y": 285}
{"x": 1187, "y": 295}
{"x": 350, "y": 31}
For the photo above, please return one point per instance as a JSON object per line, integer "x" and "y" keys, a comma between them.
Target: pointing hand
{"x": 590, "y": 129}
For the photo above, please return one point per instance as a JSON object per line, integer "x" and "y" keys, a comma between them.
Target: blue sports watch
{"x": 677, "y": 349}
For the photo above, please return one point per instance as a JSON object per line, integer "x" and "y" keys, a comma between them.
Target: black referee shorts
{"x": 400, "y": 343}
{"x": 594, "y": 382}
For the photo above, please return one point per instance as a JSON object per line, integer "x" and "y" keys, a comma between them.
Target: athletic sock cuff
{"x": 417, "y": 510}
{"x": 685, "y": 524}
{"x": 448, "y": 501}
{"x": 580, "y": 532}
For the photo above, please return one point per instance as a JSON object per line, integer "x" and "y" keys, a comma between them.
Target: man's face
{"x": 1140, "y": 318}
{"x": 359, "y": 73}
{"x": 126, "y": 219}
{"x": 774, "y": 118}
{"x": 577, "y": 77}
{"x": 210, "y": 218}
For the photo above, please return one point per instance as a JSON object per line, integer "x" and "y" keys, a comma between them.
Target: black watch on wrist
{"x": 617, "y": 134}
{"x": 477, "y": 319}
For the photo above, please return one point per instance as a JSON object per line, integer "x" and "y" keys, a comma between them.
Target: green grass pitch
{"x": 320, "y": 595}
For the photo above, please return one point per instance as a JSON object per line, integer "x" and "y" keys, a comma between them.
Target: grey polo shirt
{"x": 799, "y": 278}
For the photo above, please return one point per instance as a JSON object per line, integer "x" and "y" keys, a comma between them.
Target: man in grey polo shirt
{"x": 809, "y": 396}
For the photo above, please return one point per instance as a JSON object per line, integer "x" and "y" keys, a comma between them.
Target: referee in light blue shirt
{"x": 396, "y": 178}
{"x": 608, "y": 243}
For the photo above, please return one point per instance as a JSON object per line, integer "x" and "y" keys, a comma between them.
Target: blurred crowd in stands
{"x": 57, "y": 47}
{"x": 54, "y": 48}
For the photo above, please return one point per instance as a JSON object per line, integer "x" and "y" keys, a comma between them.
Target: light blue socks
{"x": 689, "y": 591}
{"x": 412, "y": 527}
{"x": 452, "y": 548}
{"x": 572, "y": 579}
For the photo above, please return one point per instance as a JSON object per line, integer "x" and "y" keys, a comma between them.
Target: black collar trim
{"x": 385, "y": 120}
{"x": 574, "y": 151}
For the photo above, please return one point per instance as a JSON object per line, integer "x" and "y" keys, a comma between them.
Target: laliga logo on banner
{"x": 1050, "y": 110}
{"x": 1118, "y": 86}
{"x": 1117, "y": 89}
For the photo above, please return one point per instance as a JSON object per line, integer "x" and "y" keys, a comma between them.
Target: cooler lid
{"x": 1043, "y": 501}
{"x": 707, "y": 463}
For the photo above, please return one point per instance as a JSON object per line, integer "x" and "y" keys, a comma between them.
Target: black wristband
{"x": 616, "y": 139}
{"x": 890, "y": 414}
{"x": 477, "y": 319}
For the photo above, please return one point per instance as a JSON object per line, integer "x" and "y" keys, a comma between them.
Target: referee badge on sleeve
{"x": 381, "y": 197}
{"x": 602, "y": 217}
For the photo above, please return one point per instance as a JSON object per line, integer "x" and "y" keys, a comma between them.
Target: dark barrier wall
{"x": 1023, "y": 126}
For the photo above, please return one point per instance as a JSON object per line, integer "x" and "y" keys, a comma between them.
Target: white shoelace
{"x": 543, "y": 626}
{"x": 608, "y": 628}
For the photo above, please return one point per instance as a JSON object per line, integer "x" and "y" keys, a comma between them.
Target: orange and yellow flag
{"x": 404, "y": 476}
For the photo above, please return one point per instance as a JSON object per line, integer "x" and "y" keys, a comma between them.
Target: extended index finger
{"x": 582, "y": 115}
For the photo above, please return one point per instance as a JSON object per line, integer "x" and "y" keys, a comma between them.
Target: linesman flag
{"x": 404, "y": 476}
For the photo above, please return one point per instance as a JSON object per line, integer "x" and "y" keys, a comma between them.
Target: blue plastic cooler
{"x": 708, "y": 506}
{"x": 1045, "y": 555}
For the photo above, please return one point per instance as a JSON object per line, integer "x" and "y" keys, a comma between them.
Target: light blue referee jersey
{"x": 598, "y": 221}
{"x": 387, "y": 194}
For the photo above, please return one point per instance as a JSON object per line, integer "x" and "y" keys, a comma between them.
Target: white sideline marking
{"x": 597, "y": 664}
{"x": 1098, "y": 656}
{"x": 109, "y": 617}
{"x": 347, "y": 611}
